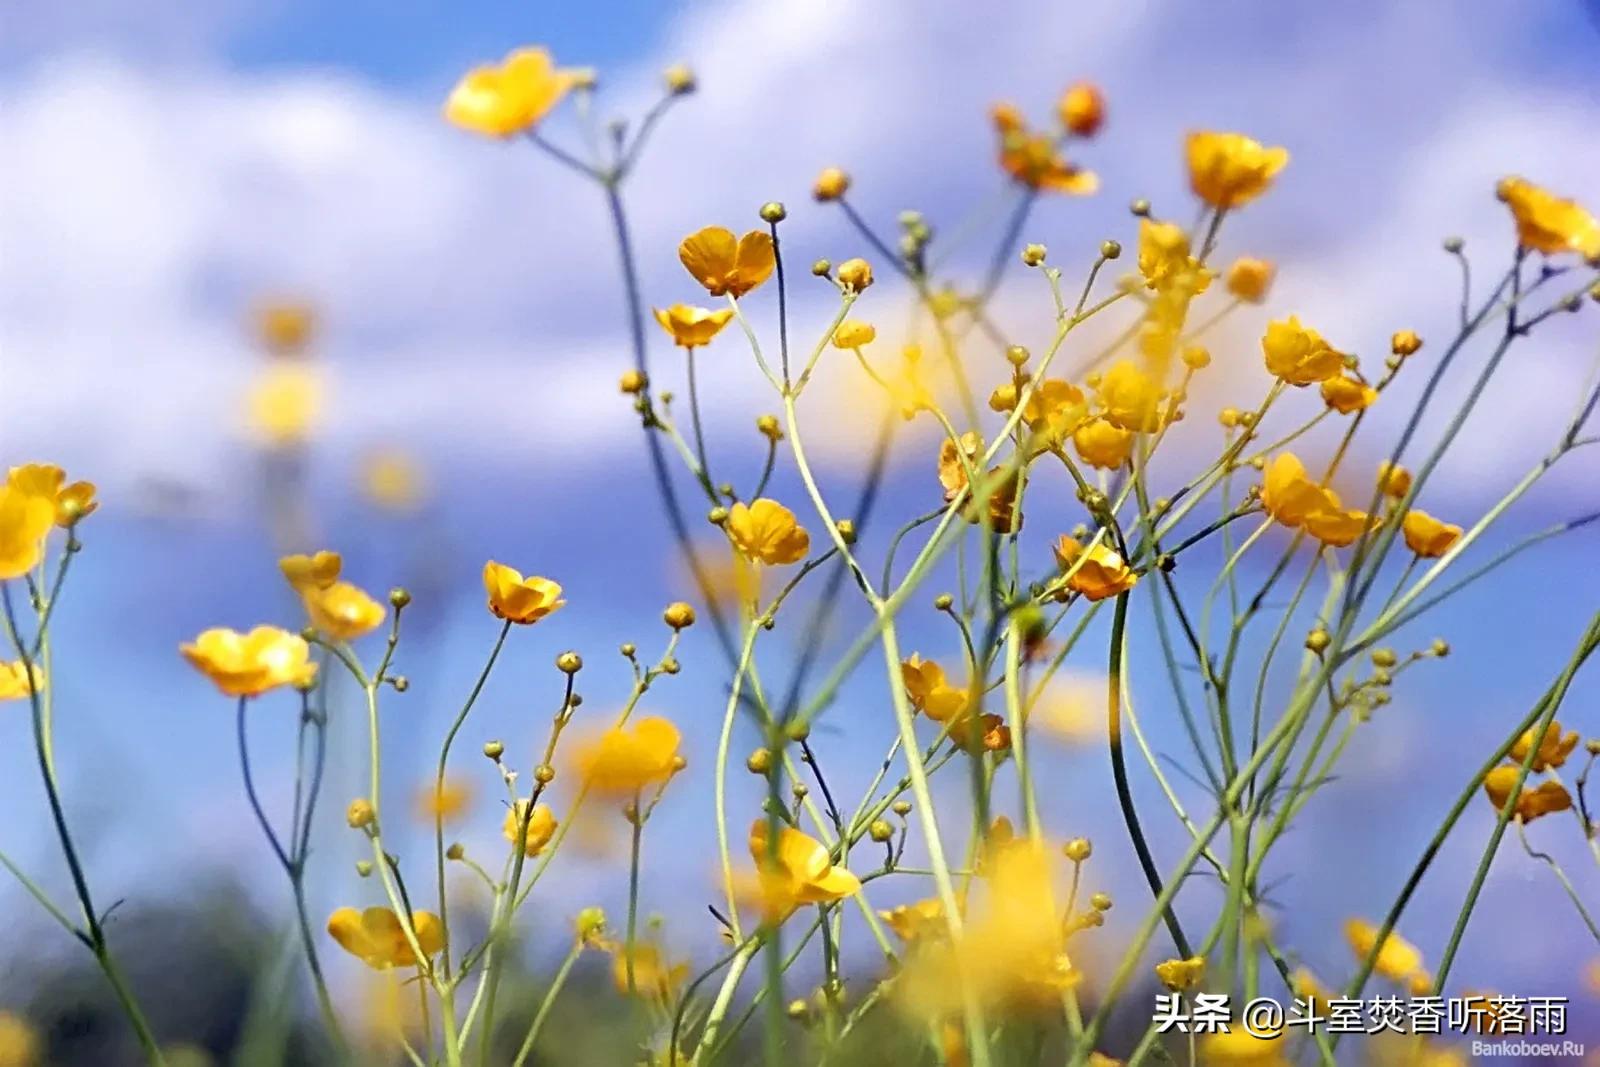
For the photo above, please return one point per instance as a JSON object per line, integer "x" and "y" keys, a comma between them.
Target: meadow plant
{"x": 983, "y": 968}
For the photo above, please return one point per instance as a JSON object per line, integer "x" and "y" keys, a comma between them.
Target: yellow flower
{"x": 541, "y": 827}
{"x": 247, "y": 665}
{"x": 1335, "y": 525}
{"x": 68, "y": 503}
{"x": 1101, "y": 573}
{"x": 376, "y": 938}
{"x": 1427, "y": 536}
{"x": 517, "y": 599}
{"x": 653, "y": 976}
{"x": 1130, "y": 398}
{"x": 446, "y": 800}
{"x": 1394, "y": 480}
{"x": 679, "y": 79}
{"x": 1288, "y": 493}
{"x": 1228, "y": 170}
{"x": 1082, "y": 109}
{"x": 1346, "y": 394}
{"x": 392, "y": 480}
{"x": 853, "y": 333}
{"x": 19, "y": 1043}
{"x": 986, "y": 732}
{"x": 285, "y": 328}
{"x": 855, "y": 274}
{"x": 797, "y": 871}
{"x": 1163, "y": 252}
{"x": 766, "y": 532}
{"x": 25, "y": 520}
{"x": 912, "y": 921}
{"x": 1240, "y": 1048}
{"x": 622, "y": 761}
{"x": 317, "y": 571}
{"x": 500, "y": 101}
{"x": 1535, "y": 800}
{"x": 1249, "y": 279}
{"x": 343, "y": 610}
{"x": 1100, "y": 444}
{"x": 284, "y": 404}
{"x": 1547, "y": 223}
{"x": 692, "y": 327}
{"x": 1178, "y": 975}
{"x": 831, "y": 184}
{"x": 1032, "y": 159}
{"x": 1554, "y": 747}
{"x": 18, "y": 681}
{"x": 1298, "y": 354}
{"x": 921, "y": 678}
{"x": 726, "y": 265}
{"x": 1397, "y": 959}
{"x": 953, "y": 468}
{"x": 1054, "y": 409}
{"x": 1405, "y": 343}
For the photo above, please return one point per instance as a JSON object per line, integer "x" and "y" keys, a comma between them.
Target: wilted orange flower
{"x": 500, "y": 101}
{"x": 622, "y": 760}
{"x": 446, "y": 800}
{"x": 798, "y": 871}
{"x": 1393, "y": 480}
{"x": 1533, "y": 801}
{"x": 1547, "y": 223}
{"x": 653, "y": 976}
{"x": 1228, "y": 170}
{"x": 1100, "y": 444}
{"x": 247, "y": 665}
{"x": 725, "y": 264}
{"x": 18, "y": 681}
{"x": 541, "y": 827}
{"x": 376, "y": 938}
{"x": 767, "y": 532}
{"x": 1249, "y": 279}
{"x": 25, "y": 520}
{"x": 952, "y": 466}
{"x": 285, "y": 327}
{"x": 517, "y": 599}
{"x": 48, "y": 482}
{"x": 1427, "y": 536}
{"x": 317, "y": 571}
{"x": 988, "y": 732}
{"x": 1130, "y": 398}
{"x": 692, "y": 327}
{"x": 1346, "y": 394}
{"x": 1554, "y": 747}
{"x": 831, "y": 184}
{"x": 1397, "y": 959}
{"x": 853, "y": 333}
{"x": 1101, "y": 573}
{"x": 343, "y": 610}
{"x": 1082, "y": 109}
{"x": 284, "y": 404}
{"x": 1033, "y": 159}
{"x": 1298, "y": 354}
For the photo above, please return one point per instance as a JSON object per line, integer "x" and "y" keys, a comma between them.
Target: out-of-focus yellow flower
{"x": 247, "y": 665}
{"x": 1346, "y": 394}
{"x": 1228, "y": 170}
{"x": 25, "y": 520}
{"x": 766, "y": 532}
{"x": 1249, "y": 279}
{"x": 1101, "y": 444}
{"x": 1398, "y": 959}
{"x": 692, "y": 327}
{"x": 1032, "y": 159}
{"x": 679, "y": 79}
{"x": 727, "y": 265}
{"x": 623, "y": 760}
{"x": 1533, "y": 801}
{"x": 653, "y": 976}
{"x": 1072, "y": 708}
{"x": 343, "y": 610}
{"x": 1163, "y": 252}
{"x": 912, "y": 921}
{"x": 519, "y": 599}
{"x": 797, "y": 871}
{"x": 1298, "y": 354}
{"x": 1101, "y": 573}
{"x": 318, "y": 571}
{"x": 1554, "y": 747}
{"x": 1130, "y": 398}
{"x": 392, "y": 480}
{"x": 1054, "y": 409}
{"x": 541, "y": 827}
{"x": 1082, "y": 109}
{"x": 17, "y": 681}
{"x": 853, "y": 333}
{"x": 511, "y": 98}
{"x": 1548, "y": 223}
{"x": 831, "y": 184}
{"x": 1178, "y": 975}
{"x": 1240, "y": 1048}
{"x": 68, "y": 503}
{"x": 285, "y": 327}
{"x": 446, "y": 800}
{"x": 284, "y": 404}
{"x": 1393, "y": 480}
{"x": 376, "y": 938}
{"x": 19, "y": 1043}
{"x": 1304, "y": 984}
{"x": 1427, "y": 536}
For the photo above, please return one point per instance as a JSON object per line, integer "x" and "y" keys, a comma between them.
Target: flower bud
{"x": 1404, "y": 342}
{"x": 590, "y": 925}
{"x": 901, "y": 808}
{"x": 1110, "y": 249}
{"x": 774, "y": 212}
{"x": 363, "y": 868}
{"x": 1078, "y": 849}
{"x": 821, "y": 268}
{"x": 455, "y": 851}
{"x": 569, "y": 663}
{"x": 359, "y": 814}
{"x": 1440, "y": 647}
{"x": 831, "y": 184}
{"x": 494, "y": 749}
{"x": 880, "y": 831}
{"x": 855, "y": 275}
{"x": 847, "y": 530}
{"x": 1384, "y": 657}
{"x": 1033, "y": 255}
{"x": 759, "y": 761}
{"x": 544, "y": 774}
{"x": 717, "y": 515}
{"x": 399, "y": 598}
{"x": 678, "y": 615}
{"x": 943, "y": 602}
{"x": 679, "y": 79}
{"x": 1318, "y": 640}
{"x": 1082, "y": 109}
{"x": 1196, "y": 357}
{"x": 1100, "y": 902}
{"x": 767, "y": 426}
{"x": 634, "y": 382}
{"x": 1249, "y": 279}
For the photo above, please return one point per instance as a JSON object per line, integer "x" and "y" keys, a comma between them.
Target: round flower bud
{"x": 1404, "y": 342}
{"x": 831, "y": 184}
{"x": 455, "y": 851}
{"x": 1384, "y": 657}
{"x": 678, "y": 615}
{"x": 1249, "y": 279}
{"x": 1454, "y": 245}
{"x": 1110, "y": 249}
{"x": 359, "y": 814}
{"x": 1317, "y": 640}
{"x": 634, "y": 381}
{"x": 847, "y": 530}
{"x": 1228, "y": 417}
{"x": 569, "y": 663}
{"x": 1033, "y": 255}
{"x": 363, "y": 868}
{"x": 590, "y": 924}
{"x": 494, "y": 749}
{"x": 1078, "y": 849}
{"x": 1440, "y": 647}
{"x": 774, "y": 212}
{"x": 544, "y": 774}
{"x": 1100, "y": 902}
{"x": 855, "y": 275}
{"x": 1083, "y": 109}
{"x": 670, "y": 665}
{"x": 821, "y": 268}
{"x": 901, "y": 808}
{"x": 1196, "y": 357}
{"x": 799, "y": 1010}
{"x": 943, "y": 601}
{"x": 400, "y": 682}
{"x": 628, "y": 649}
{"x": 1140, "y": 207}
{"x": 797, "y": 730}
{"x": 800, "y": 790}
{"x": 767, "y": 426}
{"x": 399, "y": 598}
{"x": 880, "y": 831}
{"x": 679, "y": 762}
{"x": 717, "y": 515}
{"x": 679, "y": 79}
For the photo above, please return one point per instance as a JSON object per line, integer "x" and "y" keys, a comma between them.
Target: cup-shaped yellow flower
{"x": 1554, "y": 747}
{"x": 376, "y": 938}
{"x": 797, "y": 871}
{"x": 517, "y": 599}
{"x": 912, "y": 921}
{"x": 511, "y": 97}
{"x": 767, "y": 532}
{"x": 68, "y": 502}
{"x": 17, "y": 681}
{"x": 1335, "y": 525}
{"x": 1130, "y": 398}
{"x": 541, "y": 827}
{"x": 1548, "y": 223}
{"x": 25, "y": 520}
{"x": 1288, "y": 493}
{"x": 1397, "y": 959}
{"x": 623, "y": 760}
{"x": 727, "y": 265}
{"x": 343, "y": 611}
{"x": 1054, "y": 409}
{"x": 1533, "y": 801}
{"x": 1163, "y": 252}
{"x": 1101, "y": 572}
{"x": 1249, "y": 279}
{"x": 954, "y": 459}
{"x": 1100, "y": 444}
{"x": 1228, "y": 170}
{"x": 318, "y": 571}
{"x": 1298, "y": 354}
{"x": 690, "y": 326}
{"x": 853, "y": 333}
{"x": 929, "y": 691}
{"x": 987, "y": 732}
{"x": 247, "y": 665}
{"x": 1346, "y": 394}
{"x": 1427, "y": 536}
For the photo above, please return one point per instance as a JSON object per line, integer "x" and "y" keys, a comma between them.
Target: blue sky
{"x": 167, "y": 170}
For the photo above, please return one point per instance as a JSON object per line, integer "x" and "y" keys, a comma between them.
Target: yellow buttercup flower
{"x": 69, "y": 503}
{"x": 20, "y": 1045}
{"x": 1554, "y": 747}
{"x": 1130, "y": 398}
{"x": 929, "y": 691}
{"x": 541, "y": 827}
{"x": 511, "y": 98}
{"x": 1100, "y": 444}
{"x": 1082, "y": 109}
{"x": 392, "y": 480}
{"x": 1178, "y": 975}
{"x": 1397, "y": 959}
{"x": 796, "y": 872}
{"x": 1298, "y": 354}
{"x": 1101, "y": 573}
{"x": 376, "y": 937}
{"x": 1163, "y": 252}
{"x": 343, "y": 610}
{"x": 1033, "y": 160}
{"x": 517, "y": 599}
{"x": 1547, "y": 223}
{"x": 1228, "y": 170}
{"x": 317, "y": 571}
{"x": 25, "y": 521}
{"x": 855, "y": 275}
{"x": 1249, "y": 279}
{"x": 446, "y": 800}
{"x": 1393, "y": 480}
{"x": 912, "y": 921}
{"x": 653, "y": 976}
{"x": 767, "y": 532}
{"x": 692, "y": 327}
{"x": 17, "y": 681}
{"x": 1427, "y": 536}
{"x": 853, "y": 333}
{"x": 621, "y": 761}
{"x": 1335, "y": 525}
{"x": 247, "y": 665}
{"x": 1054, "y": 409}
{"x": 1238, "y": 1047}
{"x": 1533, "y": 801}
{"x": 1288, "y": 493}
{"x": 725, "y": 264}
{"x": 1346, "y": 394}
{"x": 831, "y": 184}
{"x": 284, "y": 404}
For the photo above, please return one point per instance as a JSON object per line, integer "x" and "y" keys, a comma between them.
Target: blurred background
{"x": 171, "y": 168}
